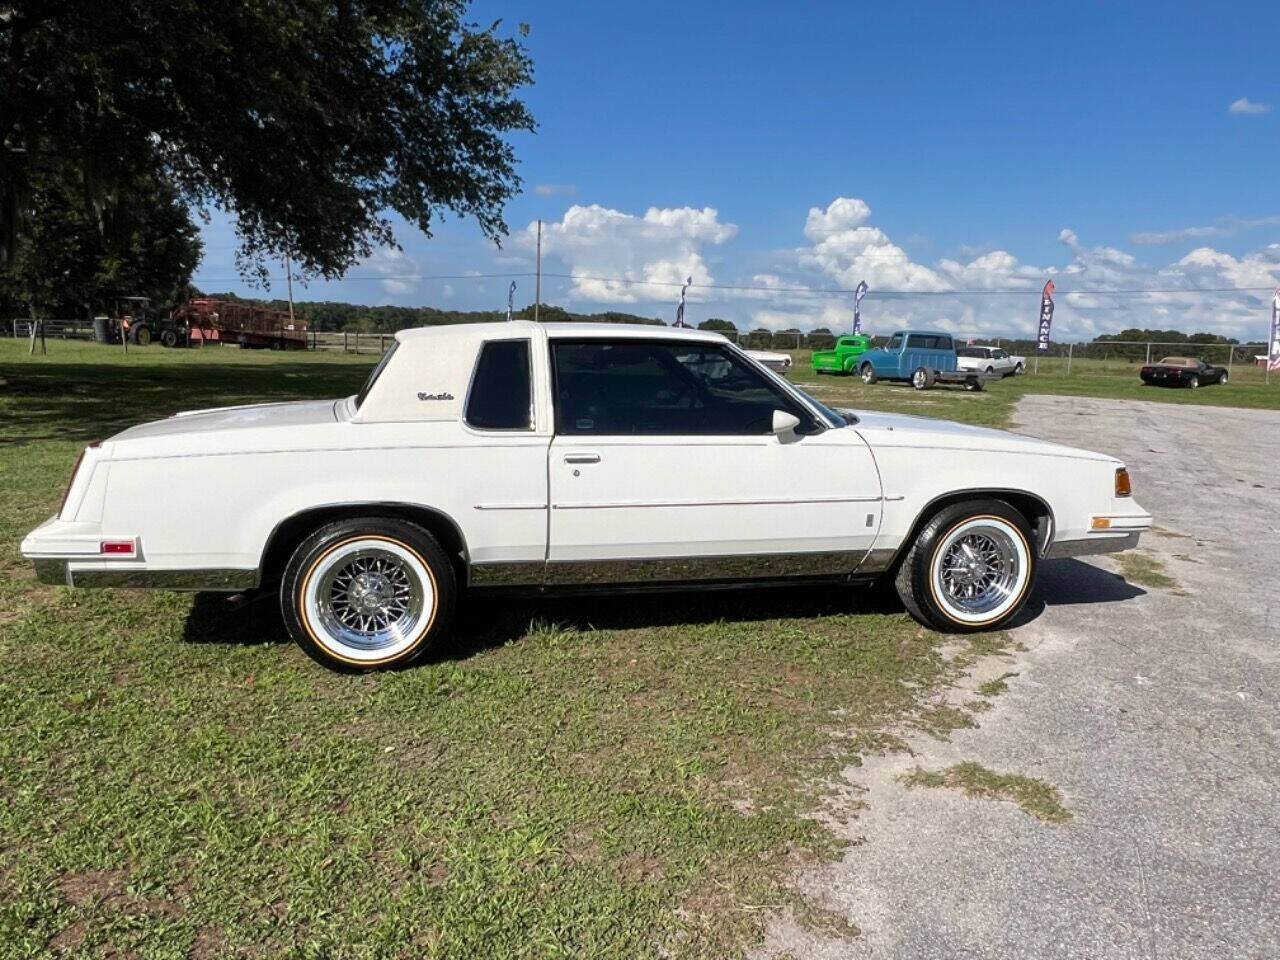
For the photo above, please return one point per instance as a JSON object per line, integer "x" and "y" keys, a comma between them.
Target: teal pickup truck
{"x": 844, "y": 357}
{"x": 921, "y": 357}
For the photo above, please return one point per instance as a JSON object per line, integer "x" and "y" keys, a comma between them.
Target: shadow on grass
{"x": 485, "y": 622}
{"x": 83, "y": 401}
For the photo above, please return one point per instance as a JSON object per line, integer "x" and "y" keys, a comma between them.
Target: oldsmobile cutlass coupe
{"x": 522, "y": 456}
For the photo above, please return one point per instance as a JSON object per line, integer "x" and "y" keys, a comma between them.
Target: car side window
{"x": 895, "y": 343}
{"x": 941, "y": 343}
{"x": 638, "y": 388}
{"x": 916, "y": 342}
{"x": 501, "y": 396}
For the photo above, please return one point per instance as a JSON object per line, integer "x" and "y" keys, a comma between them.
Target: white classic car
{"x": 774, "y": 360}
{"x": 525, "y": 456}
{"x": 985, "y": 359}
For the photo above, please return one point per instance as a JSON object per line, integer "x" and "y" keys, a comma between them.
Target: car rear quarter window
{"x": 377, "y": 372}
{"x": 501, "y": 396}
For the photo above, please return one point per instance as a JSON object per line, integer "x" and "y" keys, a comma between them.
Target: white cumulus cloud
{"x": 401, "y": 275}
{"x": 624, "y": 258}
{"x": 1245, "y": 105}
{"x": 849, "y": 251}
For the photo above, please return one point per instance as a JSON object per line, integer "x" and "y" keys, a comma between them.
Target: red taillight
{"x": 117, "y": 546}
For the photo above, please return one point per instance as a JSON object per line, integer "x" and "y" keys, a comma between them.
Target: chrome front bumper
{"x": 1093, "y": 544}
{"x": 58, "y": 572}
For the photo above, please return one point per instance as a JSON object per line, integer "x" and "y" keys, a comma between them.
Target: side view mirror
{"x": 784, "y": 425}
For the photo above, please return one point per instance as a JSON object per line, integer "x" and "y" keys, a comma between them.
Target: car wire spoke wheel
{"x": 970, "y": 568}
{"x": 364, "y": 594}
{"x": 978, "y": 569}
{"x": 370, "y": 598}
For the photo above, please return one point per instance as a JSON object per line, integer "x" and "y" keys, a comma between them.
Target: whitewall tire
{"x": 971, "y": 567}
{"x": 367, "y": 593}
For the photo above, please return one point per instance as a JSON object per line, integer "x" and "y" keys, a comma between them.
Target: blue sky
{"x": 935, "y": 152}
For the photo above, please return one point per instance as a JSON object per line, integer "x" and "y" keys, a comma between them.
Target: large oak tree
{"x": 310, "y": 120}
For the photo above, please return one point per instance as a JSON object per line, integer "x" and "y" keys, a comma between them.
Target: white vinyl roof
{"x": 470, "y": 332}
{"x": 429, "y": 375}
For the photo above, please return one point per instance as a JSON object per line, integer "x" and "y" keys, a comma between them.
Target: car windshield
{"x": 838, "y": 417}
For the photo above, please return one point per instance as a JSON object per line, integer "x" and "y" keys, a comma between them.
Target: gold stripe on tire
{"x": 301, "y": 604}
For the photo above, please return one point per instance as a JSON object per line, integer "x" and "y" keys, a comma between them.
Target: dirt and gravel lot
{"x": 1154, "y": 710}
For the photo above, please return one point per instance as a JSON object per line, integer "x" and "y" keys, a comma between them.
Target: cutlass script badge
{"x": 435, "y": 396}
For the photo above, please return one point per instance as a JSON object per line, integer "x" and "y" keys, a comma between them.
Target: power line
{"x": 794, "y": 291}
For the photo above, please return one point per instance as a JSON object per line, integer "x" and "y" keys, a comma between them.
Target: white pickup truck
{"x": 987, "y": 359}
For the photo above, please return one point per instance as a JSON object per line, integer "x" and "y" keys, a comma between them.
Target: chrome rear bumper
{"x": 58, "y": 572}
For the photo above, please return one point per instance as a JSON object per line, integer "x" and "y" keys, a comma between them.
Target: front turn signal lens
{"x": 1124, "y": 488}
{"x": 1100, "y": 523}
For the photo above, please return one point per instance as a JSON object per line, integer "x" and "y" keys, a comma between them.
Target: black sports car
{"x": 1182, "y": 372}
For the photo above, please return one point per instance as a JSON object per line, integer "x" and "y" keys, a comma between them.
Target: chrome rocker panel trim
{"x": 667, "y": 570}
{"x": 58, "y": 572}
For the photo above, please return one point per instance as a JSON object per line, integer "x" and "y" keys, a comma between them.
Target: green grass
{"x": 595, "y": 778}
{"x": 591, "y": 778}
{"x": 1144, "y": 569}
{"x": 1035, "y": 797}
{"x": 994, "y": 405}
{"x": 996, "y": 686}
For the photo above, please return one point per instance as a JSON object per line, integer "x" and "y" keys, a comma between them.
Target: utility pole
{"x": 537, "y": 287}
{"x": 288, "y": 274}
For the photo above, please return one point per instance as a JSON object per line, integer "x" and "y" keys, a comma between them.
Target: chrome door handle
{"x": 582, "y": 458}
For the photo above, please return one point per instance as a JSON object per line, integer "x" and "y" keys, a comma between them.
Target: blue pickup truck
{"x": 921, "y": 357}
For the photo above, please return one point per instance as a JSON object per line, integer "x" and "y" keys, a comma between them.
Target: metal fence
{"x": 349, "y": 342}
{"x": 57, "y": 329}
{"x": 1099, "y": 357}
{"x": 1126, "y": 357}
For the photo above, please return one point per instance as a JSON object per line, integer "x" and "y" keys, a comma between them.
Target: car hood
{"x": 902, "y": 430}
{"x": 298, "y": 413}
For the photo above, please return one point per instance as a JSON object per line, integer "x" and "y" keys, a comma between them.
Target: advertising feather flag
{"x": 680, "y": 309}
{"x": 1046, "y": 317}
{"x": 1273, "y": 353}
{"x": 858, "y": 294}
{"x": 511, "y": 294}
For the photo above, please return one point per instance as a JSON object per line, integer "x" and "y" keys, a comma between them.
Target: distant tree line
{"x": 336, "y": 316}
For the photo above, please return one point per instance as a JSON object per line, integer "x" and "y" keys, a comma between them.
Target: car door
{"x": 888, "y": 363}
{"x": 664, "y": 467}
{"x": 918, "y": 353}
{"x": 505, "y": 434}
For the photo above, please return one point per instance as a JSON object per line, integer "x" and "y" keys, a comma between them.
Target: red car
{"x": 1182, "y": 372}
